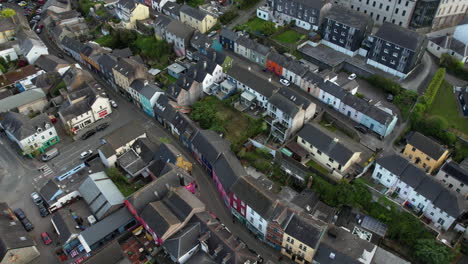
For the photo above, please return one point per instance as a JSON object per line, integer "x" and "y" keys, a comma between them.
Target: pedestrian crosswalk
{"x": 46, "y": 170}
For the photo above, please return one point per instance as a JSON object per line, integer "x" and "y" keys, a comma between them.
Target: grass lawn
{"x": 316, "y": 166}
{"x": 446, "y": 106}
{"x": 258, "y": 25}
{"x": 288, "y": 36}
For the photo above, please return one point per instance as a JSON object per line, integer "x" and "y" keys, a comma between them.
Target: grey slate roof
{"x": 13, "y": 236}
{"x": 107, "y": 62}
{"x": 355, "y": 102}
{"x": 456, "y": 171}
{"x": 333, "y": 89}
{"x": 171, "y": 8}
{"x": 210, "y": 144}
{"x": 200, "y": 40}
{"x": 70, "y": 111}
{"x": 21, "y": 126}
{"x": 180, "y": 30}
{"x": 193, "y": 12}
{"x": 326, "y": 144}
{"x": 401, "y": 36}
{"x": 128, "y": 4}
{"x": 106, "y": 226}
{"x": 284, "y": 104}
{"x": 164, "y": 109}
{"x": 183, "y": 241}
{"x": 228, "y": 169}
{"x": 159, "y": 217}
{"x": 253, "y": 81}
{"x": 253, "y": 45}
{"x": 278, "y": 58}
{"x": 426, "y": 145}
{"x": 304, "y": 230}
{"x": 297, "y": 67}
{"x": 125, "y": 134}
{"x": 49, "y": 190}
{"x": 348, "y": 17}
{"x": 49, "y": 62}
{"x": 430, "y": 189}
{"x": 111, "y": 254}
{"x": 229, "y": 34}
{"x": 379, "y": 115}
{"x": 251, "y": 193}
{"x": 21, "y": 99}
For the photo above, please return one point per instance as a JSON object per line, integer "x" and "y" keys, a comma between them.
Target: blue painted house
{"x": 379, "y": 120}
{"x": 145, "y": 95}
{"x": 228, "y": 38}
{"x": 207, "y": 145}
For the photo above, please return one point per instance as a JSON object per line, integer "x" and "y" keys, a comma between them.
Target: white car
{"x": 36, "y": 198}
{"x": 285, "y": 82}
{"x": 86, "y": 154}
{"x": 113, "y": 103}
{"x": 352, "y": 76}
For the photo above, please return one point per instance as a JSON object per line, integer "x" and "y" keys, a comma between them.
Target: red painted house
{"x": 238, "y": 207}
{"x": 276, "y": 63}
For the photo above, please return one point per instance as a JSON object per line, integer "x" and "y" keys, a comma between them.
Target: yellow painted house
{"x": 197, "y": 18}
{"x": 425, "y": 152}
{"x": 129, "y": 12}
{"x": 9, "y": 26}
{"x": 301, "y": 239}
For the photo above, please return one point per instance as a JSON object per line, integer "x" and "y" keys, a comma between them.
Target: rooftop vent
{"x": 332, "y": 255}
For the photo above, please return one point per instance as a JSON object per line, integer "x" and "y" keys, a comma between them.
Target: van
{"x": 50, "y": 154}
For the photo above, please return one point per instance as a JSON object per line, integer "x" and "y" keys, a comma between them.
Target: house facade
{"x": 31, "y": 135}
{"x": 419, "y": 191}
{"x": 228, "y": 39}
{"x": 179, "y": 34}
{"x": 395, "y": 50}
{"x": 276, "y": 62}
{"x": 453, "y": 177}
{"x": 129, "y": 12}
{"x": 197, "y": 18}
{"x": 425, "y": 152}
{"x": 305, "y": 14}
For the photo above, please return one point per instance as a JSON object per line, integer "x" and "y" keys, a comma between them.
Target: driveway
{"x": 245, "y": 15}
{"x": 419, "y": 79}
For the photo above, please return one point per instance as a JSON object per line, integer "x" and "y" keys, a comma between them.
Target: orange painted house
{"x": 276, "y": 62}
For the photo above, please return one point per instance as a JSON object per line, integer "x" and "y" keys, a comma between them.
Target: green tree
{"x": 205, "y": 113}
{"x": 268, "y": 28}
{"x": 7, "y": 12}
{"x": 430, "y": 252}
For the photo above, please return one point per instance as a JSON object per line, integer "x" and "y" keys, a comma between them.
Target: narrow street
{"x": 207, "y": 189}
{"x": 245, "y": 15}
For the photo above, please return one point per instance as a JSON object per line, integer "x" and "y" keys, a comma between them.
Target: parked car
{"x": 390, "y": 97}
{"x": 22, "y": 3}
{"x": 38, "y": 30}
{"x": 85, "y": 154}
{"x": 27, "y": 224}
{"x": 88, "y": 134}
{"x": 361, "y": 129}
{"x": 36, "y": 198}
{"x": 20, "y": 214}
{"x": 284, "y": 82}
{"x": 102, "y": 126}
{"x": 43, "y": 210}
{"x": 352, "y": 76}
{"x": 37, "y": 17}
{"x": 46, "y": 238}
{"x": 113, "y": 103}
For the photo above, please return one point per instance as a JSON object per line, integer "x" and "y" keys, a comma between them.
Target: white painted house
{"x": 31, "y": 46}
{"x": 419, "y": 191}
{"x": 36, "y": 134}
{"x": 331, "y": 94}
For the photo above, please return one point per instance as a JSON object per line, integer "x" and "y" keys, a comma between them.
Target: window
{"x": 427, "y": 158}
{"x": 403, "y": 13}
{"x": 50, "y": 133}
{"x": 331, "y": 160}
{"x": 413, "y": 200}
{"x": 405, "y": 193}
{"x": 461, "y": 184}
{"x": 386, "y": 9}
{"x": 432, "y": 213}
{"x": 319, "y": 152}
{"x": 234, "y": 205}
{"x": 386, "y": 51}
{"x": 413, "y": 149}
{"x": 43, "y": 137}
{"x": 259, "y": 226}
{"x": 383, "y": 58}
{"x": 424, "y": 165}
{"x": 380, "y": 6}
{"x": 373, "y": 4}
{"x": 450, "y": 185}
{"x": 395, "y": 54}
{"x": 242, "y": 211}
{"x": 379, "y": 175}
{"x": 396, "y": 10}
{"x": 251, "y": 219}
{"x": 458, "y": 190}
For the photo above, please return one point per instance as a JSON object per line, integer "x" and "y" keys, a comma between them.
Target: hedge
{"x": 433, "y": 87}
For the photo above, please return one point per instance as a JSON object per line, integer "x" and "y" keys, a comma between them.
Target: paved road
{"x": 422, "y": 75}
{"x": 244, "y": 16}
{"x": 208, "y": 192}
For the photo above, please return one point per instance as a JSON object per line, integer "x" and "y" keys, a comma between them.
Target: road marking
{"x": 46, "y": 170}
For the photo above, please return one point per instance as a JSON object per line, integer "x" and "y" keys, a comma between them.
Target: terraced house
{"x": 304, "y": 13}
{"x": 197, "y": 19}
{"x": 425, "y": 152}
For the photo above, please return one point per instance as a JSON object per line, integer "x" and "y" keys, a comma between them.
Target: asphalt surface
{"x": 126, "y": 111}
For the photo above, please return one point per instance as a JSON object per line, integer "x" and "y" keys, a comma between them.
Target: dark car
{"x": 43, "y": 210}
{"x": 20, "y": 214}
{"x": 88, "y": 134}
{"x": 389, "y": 97}
{"x": 102, "y": 126}
{"x": 361, "y": 129}
{"x": 27, "y": 224}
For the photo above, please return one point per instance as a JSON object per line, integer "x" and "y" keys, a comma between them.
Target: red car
{"x": 45, "y": 237}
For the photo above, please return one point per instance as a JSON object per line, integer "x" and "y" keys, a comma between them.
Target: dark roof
{"x": 183, "y": 241}
{"x": 172, "y": 8}
{"x": 13, "y": 236}
{"x": 193, "y": 12}
{"x": 200, "y": 257}
{"x": 228, "y": 169}
{"x": 210, "y": 144}
{"x": 379, "y": 115}
{"x": 159, "y": 217}
{"x": 128, "y": 4}
{"x": 401, "y": 36}
{"x": 69, "y": 111}
{"x": 107, "y": 62}
{"x": 112, "y": 254}
{"x": 164, "y": 109}
{"x": 125, "y": 134}
{"x": 147, "y": 149}
{"x": 454, "y": 170}
{"x": 333, "y": 89}
{"x": 324, "y": 253}
{"x": 305, "y": 230}
{"x": 250, "y": 79}
{"x": 423, "y": 184}
{"x": 278, "y": 58}
{"x": 284, "y": 104}
{"x": 21, "y": 126}
{"x": 200, "y": 40}
{"x": 49, "y": 62}
{"x": 348, "y": 17}
{"x": 106, "y": 226}
{"x": 259, "y": 199}
{"x": 180, "y": 30}
{"x": 65, "y": 224}
{"x": 297, "y": 67}
{"x": 229, "y": 34}
{"x": 167, "y": 153}
{"x": 122, "y": 53}
{"x": 355, "y": 102}
{"x": 49, "y": 190}
{"x": 253, "y": 45}
{"x": 326, "y": 144}
{"x": 426, "y": 145}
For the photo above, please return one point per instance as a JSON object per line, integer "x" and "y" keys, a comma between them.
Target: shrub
{"x": 228, "y": 17}
{"x": 453, "y": 66}
{"x": 433, "y": 87}
{"x": 385, "y": 84}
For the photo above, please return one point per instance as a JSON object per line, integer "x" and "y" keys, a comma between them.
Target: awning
{"x": 248, "y": 96}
